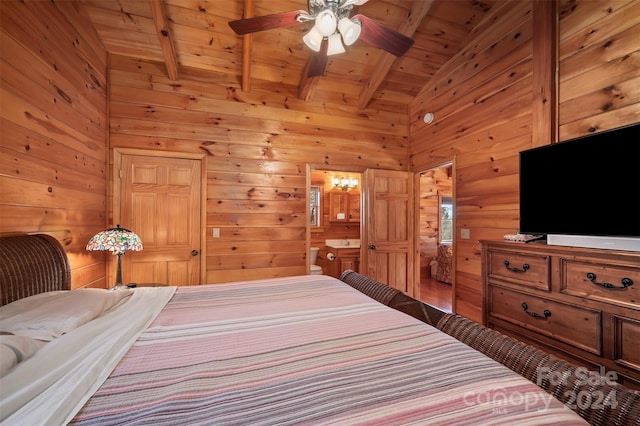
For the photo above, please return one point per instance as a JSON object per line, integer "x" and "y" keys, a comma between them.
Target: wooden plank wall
{"x": 258, "y": 145}
{"x": 53, "y": 134}
{"x": 599, "y": 69}
{"x": 482, "y": 101}
{"x": 53, "y": 175}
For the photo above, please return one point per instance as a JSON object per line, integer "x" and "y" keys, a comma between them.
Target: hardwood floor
{"x": 435, "y": 293}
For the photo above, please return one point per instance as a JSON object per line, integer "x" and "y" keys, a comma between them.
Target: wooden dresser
{"x": 582, "y": 305}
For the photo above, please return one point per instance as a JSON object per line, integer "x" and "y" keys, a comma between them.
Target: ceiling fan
{"x": 332, "y": 30}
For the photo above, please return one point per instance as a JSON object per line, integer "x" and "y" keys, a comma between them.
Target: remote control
{"x": 522, "y": 237}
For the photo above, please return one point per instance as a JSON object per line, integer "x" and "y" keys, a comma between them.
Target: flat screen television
{"x": 584, "y": 192}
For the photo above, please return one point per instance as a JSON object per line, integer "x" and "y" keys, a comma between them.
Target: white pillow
{"x": 46, "y": 316}
{"x": 15, "y": 349}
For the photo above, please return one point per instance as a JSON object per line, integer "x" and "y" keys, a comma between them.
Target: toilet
{"x": 315, "y": 269}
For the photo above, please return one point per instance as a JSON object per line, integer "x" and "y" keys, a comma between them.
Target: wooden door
{"x": 160, "y": 200}
{"x": 387, "y": 249}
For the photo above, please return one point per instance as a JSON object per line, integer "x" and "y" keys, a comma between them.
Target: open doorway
{"x": 435, "y": 203}
{"x": 334, "y": 220}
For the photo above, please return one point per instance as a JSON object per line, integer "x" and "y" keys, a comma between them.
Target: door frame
{"x": 363, "y": 207}
{"x": 116, "y": 194}
{"x": 320, "y": 166}
{"x": 416, "y": 188}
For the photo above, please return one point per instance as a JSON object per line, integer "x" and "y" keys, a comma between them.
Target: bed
{"x": 295, "y": 350}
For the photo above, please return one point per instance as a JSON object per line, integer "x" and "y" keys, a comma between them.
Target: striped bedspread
{"x": 307, "y": 350}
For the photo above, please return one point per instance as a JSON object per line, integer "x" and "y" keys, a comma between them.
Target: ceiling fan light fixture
{"x": 326, "y": 22}
{"x": 350, "y": 30}
{"x": 335, "y": 45}
{"x": 313, "y": 39}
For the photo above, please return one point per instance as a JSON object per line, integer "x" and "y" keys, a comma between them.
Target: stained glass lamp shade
{"x": 116, "y": 240}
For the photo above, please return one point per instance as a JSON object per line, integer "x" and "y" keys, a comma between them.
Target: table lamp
{"x": 116, "y": 240}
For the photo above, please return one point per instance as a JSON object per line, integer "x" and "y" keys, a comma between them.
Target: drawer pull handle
{"x": 626, "y": 282}
{"x": 545, "y": 314}
{"x": 525, "y": 267}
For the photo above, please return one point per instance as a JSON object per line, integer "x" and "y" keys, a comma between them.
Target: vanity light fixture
{"x": 344, "y": 183}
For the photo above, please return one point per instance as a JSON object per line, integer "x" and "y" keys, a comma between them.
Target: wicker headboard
{"x": 31, "y": 264}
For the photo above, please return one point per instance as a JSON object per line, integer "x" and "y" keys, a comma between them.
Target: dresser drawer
{"x": 570, "y": 324}
{"x": 627, "y": 342}
{"x": 610, "y": 283}
{"x": 529, "y": 270}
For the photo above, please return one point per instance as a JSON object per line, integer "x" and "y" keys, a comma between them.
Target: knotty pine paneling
{"x": 203, "y": 40}
{"x": 599, "y": 69}
{"x": 53, "y": 172}
{"x": 482, "y": 104}
{"x": 53, "y": 133}
{"x": 258, "y": 145}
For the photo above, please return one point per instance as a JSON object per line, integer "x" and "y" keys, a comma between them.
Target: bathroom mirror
{"x": 314, "y": 205}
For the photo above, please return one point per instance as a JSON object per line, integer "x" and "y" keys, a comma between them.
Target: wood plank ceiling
{"x": 193, "y": 38}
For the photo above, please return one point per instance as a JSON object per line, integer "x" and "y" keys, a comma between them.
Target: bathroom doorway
{"x": 334, "y": 214}
{"x": 435, "y": 235}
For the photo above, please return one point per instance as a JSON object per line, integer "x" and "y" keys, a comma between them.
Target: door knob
{"x": 194, "y": 252}
{"x": 372, "y": 246}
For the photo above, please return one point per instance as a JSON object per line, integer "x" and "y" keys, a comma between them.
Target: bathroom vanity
{"x": 347, "y": 256}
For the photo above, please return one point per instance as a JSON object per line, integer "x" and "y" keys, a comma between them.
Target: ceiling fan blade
{"x": 318, "y": 60}
{"x": 267, "y": 22}
{"x": 382, "y": 37}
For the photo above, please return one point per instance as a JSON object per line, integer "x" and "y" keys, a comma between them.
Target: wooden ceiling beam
{"x": 160, "y": 20}
{"x": 307, "y": 85}
{"x": 247, "y": 45}
{"x": 545, "y": 69}
{"x": 419, "y": 10}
